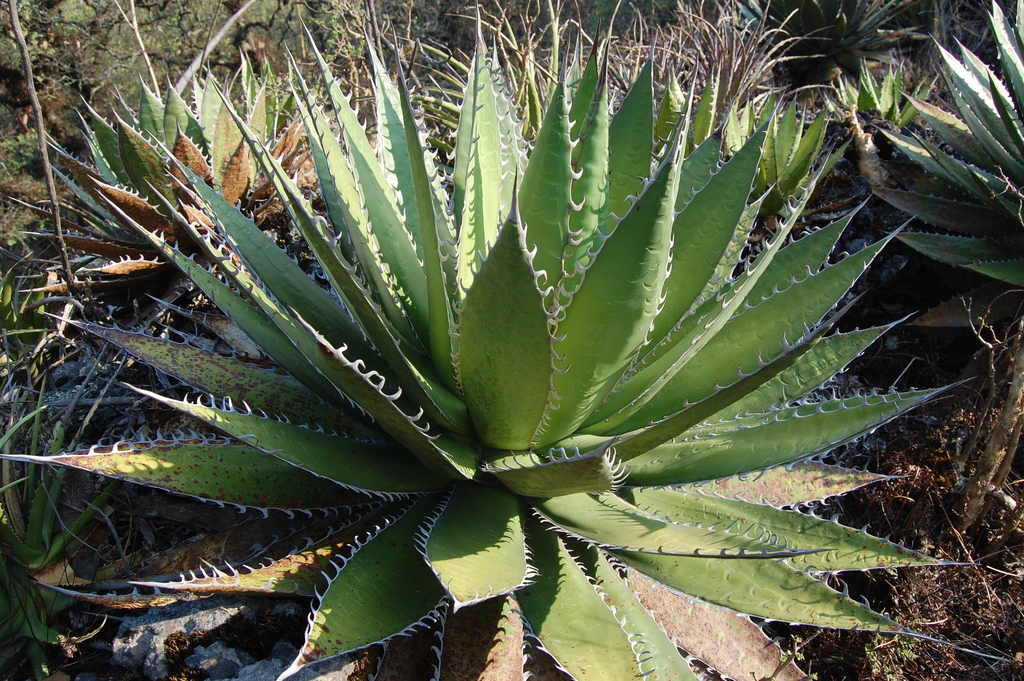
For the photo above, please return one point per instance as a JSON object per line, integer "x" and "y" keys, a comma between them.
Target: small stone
{"x": 218, "y": 661}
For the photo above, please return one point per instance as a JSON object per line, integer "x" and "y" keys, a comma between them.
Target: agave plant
{"x": 542, "y": 381}
{"x": 120, "y": 189}
{"x": 888, "y": 98}
{"x": 828, "y": 35}
{"x": 978, "y": 195}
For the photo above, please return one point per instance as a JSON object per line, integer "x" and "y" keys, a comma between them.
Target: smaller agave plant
{"x": 560, "y": 405}
{"x": 889, "y": 98}
{"x": 130, "y": 179}
{"x": 977, "y": 192}
{"x": 825, "y": 36}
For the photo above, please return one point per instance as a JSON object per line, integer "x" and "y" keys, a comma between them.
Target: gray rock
{"x": 140, "y": 643}
{"x": 140, "y": 640}
{"x": 219, "y": 661}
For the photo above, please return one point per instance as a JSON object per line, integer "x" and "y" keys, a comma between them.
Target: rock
{"x": 219, "y": 661}
{"x": 140, "y": 641}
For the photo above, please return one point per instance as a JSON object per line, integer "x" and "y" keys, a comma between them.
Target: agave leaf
{"x": 1009, "y": 51}
{"x": 764, "y": 440}
{"x": 569, "y": 617}
{"x": 756, "y": 336}
{"x": 437, "y": 237}
{"x": 383, "y": 590}
{"x": 588, "y": 217}
{"x": 151, "y": 113}
{"x": 368, "y": 466}
{"x": 178, "y": 120}
{"x": 705, "y": 224}
{"x": 505, "y": 358}
{"x": 612, "y": 522}
{"x": 345, "y": 207}
{"x": 252, "y": 320}
{"x": 789, "y": 485}
{"x": 657, "y": 654}
{"x": 979, "y": 254}
{"x": 396, "y": 344}
{"x": 845, "y": 547}
{"x": 477, "y": 191}
{"x": 484, "y": 643}
{"x": 301, "y": 573}
{"x": 209, "y": 469}
{"x": 951, "y": 129}
{"x": 763, "y": 588}
{"x": 544, "y": 193}
{"x": 957, "y": 216}
{"x": 243, "y": 382}
{"x": 607, "y": 316}
{"x": 143, "y": 165}
{"x": 588, "y": 466}
{"x": 730, "y": 643}
{"x": 975, "y": 104}
{"x": 225, "y": 138}
{"x": 583, "y": 91}
{"x": 388, "y": 228}
{"x": 104, "y": 147}
{"x": 477, "y": 546}
{"x": 630, "y": 143}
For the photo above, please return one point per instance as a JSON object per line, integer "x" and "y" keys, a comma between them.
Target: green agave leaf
{"x": 143, "y": 165}
{"x": 395, "y": 243}
{"x": 759, "y": 441}
{"x": 383, "y": 590}
{"x": 178, "y": 118}
{"x": 607, "y": 316}
{"x": 569, "y": 617}
{"x": 589, "y": 188}
{"x": 362, "y": 279}
{"x": 582, "y": 96}
{"x": 789, "y": 485}
{"x": 151, "y": 112}
{"x": 703, "y": 228}
{"x": 208, "y": 468}
{"x": 979, "y": 254}
{"x": 544, "y": 193}
{"x": 484, "y": 643}
{"x": 104, "y": 147}
{"x": 615, "y": 523}
{"x": 756, "y": 336}
{"x": 437, "y": 237}
{"x": 250, "y": 318}
{"x": 396, "y": 343}
{"x": 363, "y": 385}
{"x": 765, "y": 588}
{"x": 477, "y": 546}
{"x": 657, "y": 654}
{"x": 631, "y": 143}
{"x": 844, "y": 548}
{"x": 730, "y": 643}
{"x": 366, "y": 466}
{"x": 250, "y": 383}
{"x": 505, "y": 346}
{"x": 951, "y": 129}
{"x": 586, "y": 465}
{"x": 957, "y": 216}
{"x": 477, "y": 179}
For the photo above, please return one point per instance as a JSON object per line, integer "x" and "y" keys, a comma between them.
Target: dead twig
{"x": 37, "y": 113}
